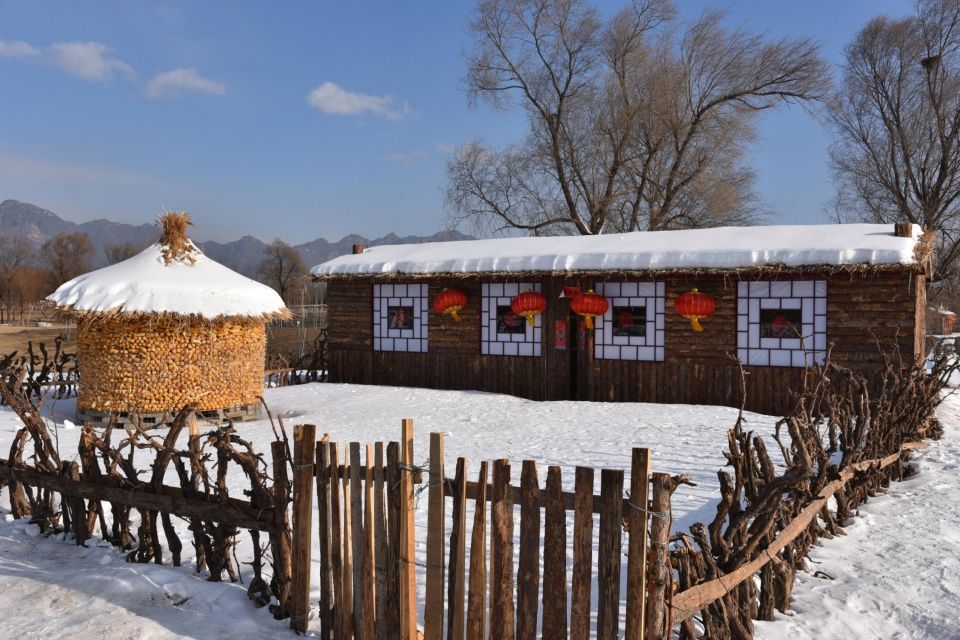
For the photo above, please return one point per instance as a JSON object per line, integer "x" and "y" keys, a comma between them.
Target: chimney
{"x": 900, "y": 229}
{"x": 357, "y": 249}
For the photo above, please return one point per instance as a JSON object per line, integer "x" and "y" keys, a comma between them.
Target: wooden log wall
{"x": 866, "y": 314}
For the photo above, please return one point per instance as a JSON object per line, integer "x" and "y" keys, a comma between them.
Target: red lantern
{"x": 588, "y": 305}
{"x": 695, "y": 306}
{"x": 450, "y": 301}
{"x": 529, "y": 304}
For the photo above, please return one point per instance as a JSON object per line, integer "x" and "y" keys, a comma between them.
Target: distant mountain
{"x": 243, "y": 255}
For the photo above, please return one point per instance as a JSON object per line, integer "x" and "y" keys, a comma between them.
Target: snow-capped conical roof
{"x": 170, "y": 277}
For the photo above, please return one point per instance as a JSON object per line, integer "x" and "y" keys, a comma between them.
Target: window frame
{"x": 649, "y": 347}
{"x": 526, "y": 344}
{"x": 807, "y": 296}
{"x": 405, "y": 294}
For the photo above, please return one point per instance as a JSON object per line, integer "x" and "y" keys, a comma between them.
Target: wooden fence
{"x": 368, "y": 556}
{"x": 474, "y": 584}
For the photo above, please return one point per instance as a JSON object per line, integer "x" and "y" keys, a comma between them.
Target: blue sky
{"x": 120, "y": 109}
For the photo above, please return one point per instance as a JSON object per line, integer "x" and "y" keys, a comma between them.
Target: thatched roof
{"x": 854, "y": 248}
{"x": 173, "y": 279}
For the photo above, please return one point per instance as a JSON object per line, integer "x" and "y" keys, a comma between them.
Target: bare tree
{"x": 65, "y": 256}
{"x": 283, "y": 269}
{"x": 896, "y": 118}
{"x": 15, "y": 254}
{"x": 631, "y": 126}
{"x": 119, "y": 252}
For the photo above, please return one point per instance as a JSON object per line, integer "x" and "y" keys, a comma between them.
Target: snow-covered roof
{"x": 153, "y": 283}
{"x": 718, "y": 248}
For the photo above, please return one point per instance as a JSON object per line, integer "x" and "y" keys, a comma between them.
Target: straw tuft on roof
{"x": 176, "y": 245}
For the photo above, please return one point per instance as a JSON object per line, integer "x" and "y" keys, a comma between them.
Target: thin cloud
{"x": 407, "y": 158}
{"x": 18, "y": 49}
{"x": 177, "y": 82}
{"x": 33, "y": 169}
{"x": 335, "y": 100}
{"x": 88, "y": 61}
{"x": 444, "y": 149}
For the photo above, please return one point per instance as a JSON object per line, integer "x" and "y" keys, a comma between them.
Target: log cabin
{"x": 665, "y": 316}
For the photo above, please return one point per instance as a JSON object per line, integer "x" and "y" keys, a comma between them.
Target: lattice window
{"x": 400, "y": 313}
{"x": 783, "y": 323}
{"x": 503, "y": 333}
{"x": 632, "y": 327}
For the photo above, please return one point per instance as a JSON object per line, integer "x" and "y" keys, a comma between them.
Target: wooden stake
{"x": 660, "y": 578}
{"x": 433, "y": 606}
{"x": 608, "y": 555}
{"x": 280, "y": 542}
{"x": 324, "y": 530}
{"x": 501, "y": 553}
{"x": 456, "y": 582}
{"x": 408, "y": 585}
{"x": 363, "y": 611}
{"x": 582, "y": 554}
{"x": 528, "y": 569}
{"x": 304, "y": 446}
{"x": 477, "y": 607}
{"x": 381, "y": 545}
{"x": 637, "y": 545}
{"x": 340, "y": 616}
{"x": 554, "y": 560}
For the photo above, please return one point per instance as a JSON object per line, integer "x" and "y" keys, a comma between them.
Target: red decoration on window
{"x": 695, "y": 306}
{"x": 529, "y": 304}
{"x": 780, "y": 324}
{"x": 588, "y": 305}
{"x": 450, "y": 301}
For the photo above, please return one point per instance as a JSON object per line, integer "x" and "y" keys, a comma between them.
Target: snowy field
{"x": 49, "y": 587}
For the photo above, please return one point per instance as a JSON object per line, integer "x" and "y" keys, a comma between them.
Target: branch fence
{"x": 500, "y": 558}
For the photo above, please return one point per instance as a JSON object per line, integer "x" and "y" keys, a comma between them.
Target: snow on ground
{"x": 478, "y": 426}
{"x": 896, "y": 572}
{"x": 49, "y": 584}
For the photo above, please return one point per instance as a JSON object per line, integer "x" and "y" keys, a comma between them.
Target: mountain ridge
{"x": 242, "y": 255}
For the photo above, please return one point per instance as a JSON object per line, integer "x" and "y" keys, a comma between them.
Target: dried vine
{"x": 136, "y": 460}
{"x": 841, "y": 419}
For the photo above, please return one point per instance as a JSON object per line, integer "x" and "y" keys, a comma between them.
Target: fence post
{"x": 477, "y": 595}
{"x": 456, "y": 582}
{"x": 304, "y": 445}
{"x": 501, "y": 553}
{"x": 528, "y": 566}
{"x": 637, "y": 546}
{"x": 363, "y": 601}
{"x": 324, "y": 530}
{"x": 554, "y": 559}
{"x": 658, "y": 625}
{"x": 281, "y": 539}
{"x": 609, "y": 554}
{"x": 408, "y": 585}
{"x": 73, "y": 505}
{"x": 433, "y": 605}
{"x": 582, "y": 554}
